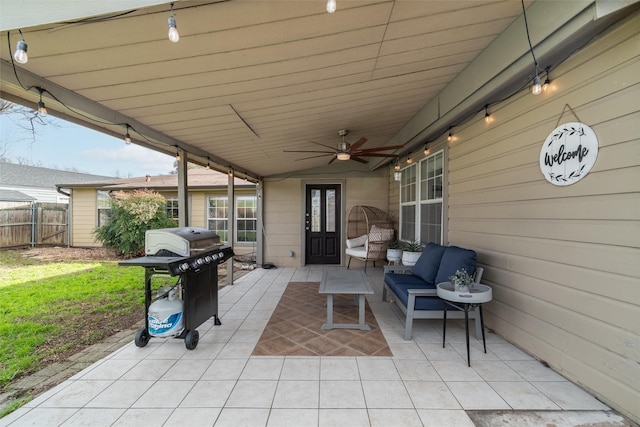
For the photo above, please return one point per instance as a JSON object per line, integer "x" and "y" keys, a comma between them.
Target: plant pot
{"x": 394, "y": 255}
{"x": 410, "y": 258}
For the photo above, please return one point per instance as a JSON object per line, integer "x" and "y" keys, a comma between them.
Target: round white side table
{"x": 477, "y": 295}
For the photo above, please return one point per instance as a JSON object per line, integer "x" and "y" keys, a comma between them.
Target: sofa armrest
{"x": 397, "y": 268}
{"x": 422, "y": 292}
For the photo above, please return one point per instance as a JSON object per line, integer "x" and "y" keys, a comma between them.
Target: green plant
{"x": 461, "y": 278}
{"x": 413, "y": 246}
{"x": 395, "y": 244}
{"x": 132, "y": 214}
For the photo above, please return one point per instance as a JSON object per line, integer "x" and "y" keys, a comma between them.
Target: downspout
{"x": 59, "y": 190}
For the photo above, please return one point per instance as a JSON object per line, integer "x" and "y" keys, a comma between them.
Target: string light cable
{"x": 536, "y": 89}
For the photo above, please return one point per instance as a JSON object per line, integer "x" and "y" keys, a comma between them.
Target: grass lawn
{"x": 51, "y": 310}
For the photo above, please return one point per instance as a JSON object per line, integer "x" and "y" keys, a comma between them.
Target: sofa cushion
{"x": 401, "y": 291}
{"x": 398, "y": 281}
{"x": 377, "y": 234}
{"x": 357, "y": 241}
{"x": 427, "y": 265}
{"x": 455, "y": 258}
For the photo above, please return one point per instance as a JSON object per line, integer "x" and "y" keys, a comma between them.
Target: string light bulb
{"x": 178, "y": 158}
{"x": 426, "y": 150}
{"x": 450, "y": 136}
{"x": 20, "y": 55}
{"x": 127, "y": 137}
{"x": 396, "y": 167}
{"x": 331, "y": 6}
{"x": 487, "y": 117}
{"x": 42, "y": 109}
{"x": 409, "y": 159}
{"x": 536, "y": 89}
{"x": 208, "y": 164}
{"x": 547, "y": 81}
{"x": 173, "y": 28}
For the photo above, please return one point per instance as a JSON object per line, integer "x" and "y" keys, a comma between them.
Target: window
{"x": 421, "y": 202}
{"x": 218, "y": 216}
{"x": 408, "y": 204}
{"x": 104, "y": 207}
{"x": 246, "y": 221}
{"x": 431, "y": 199}
{"x": 172, "y": 208}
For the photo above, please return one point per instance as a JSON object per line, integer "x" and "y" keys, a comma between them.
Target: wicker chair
{"x": 368, "y": 231}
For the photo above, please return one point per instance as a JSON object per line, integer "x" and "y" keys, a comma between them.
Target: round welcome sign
{"x": 568, "y": 153}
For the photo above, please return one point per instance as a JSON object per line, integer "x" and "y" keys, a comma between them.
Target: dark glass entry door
{"x": 322, "y": 224}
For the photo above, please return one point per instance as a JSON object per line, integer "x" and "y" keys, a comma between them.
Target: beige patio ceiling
{"x": 250, "y": 79}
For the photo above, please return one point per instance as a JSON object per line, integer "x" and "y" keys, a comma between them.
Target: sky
{"x": 67, "y": 146}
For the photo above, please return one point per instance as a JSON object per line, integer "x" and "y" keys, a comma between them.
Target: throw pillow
{"x": 456, "y": 258}
{"x": 427, "y": 265}
{"x": 377, "y": 234}
{"x": 358, "y": 241}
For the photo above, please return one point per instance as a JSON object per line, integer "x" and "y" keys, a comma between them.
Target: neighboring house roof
{"x": 196, "y": 178}
{"x": 14, "y": 196}
{"x": 33, "y": 176}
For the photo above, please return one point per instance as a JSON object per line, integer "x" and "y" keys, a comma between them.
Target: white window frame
{"x": 238, "y": 217}
{"x": 414, "y": 196}
{"x": 103, "y": 203}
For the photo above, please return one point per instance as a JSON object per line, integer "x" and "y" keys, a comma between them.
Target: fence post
{"x": 34, "y": 213}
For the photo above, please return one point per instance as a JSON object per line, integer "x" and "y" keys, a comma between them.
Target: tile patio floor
{"x": 220, "y": 383}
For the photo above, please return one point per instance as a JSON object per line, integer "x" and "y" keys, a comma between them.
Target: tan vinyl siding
{"x": 564, "y": 262}
{"x": 84, "y": 221}
{"x": 282, "y": 222}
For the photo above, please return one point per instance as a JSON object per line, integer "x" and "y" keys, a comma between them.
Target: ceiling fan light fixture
{"x": 343, "y": 156}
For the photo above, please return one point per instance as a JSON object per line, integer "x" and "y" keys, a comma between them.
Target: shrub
{"x": 132, "y": 214}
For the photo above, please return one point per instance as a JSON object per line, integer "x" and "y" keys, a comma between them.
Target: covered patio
{"x": 220, "y": 383}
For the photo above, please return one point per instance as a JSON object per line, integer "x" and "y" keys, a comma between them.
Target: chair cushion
{"x": 427, "y": 265}
{"x": 377, "y": 234}
{"x": 357, "y": 241}
{"x": 455, "y": 258}
{"x": 358, "y": 252}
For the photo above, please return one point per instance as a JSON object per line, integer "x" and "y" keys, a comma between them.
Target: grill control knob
{"x": 199, "y": 261}
{"x": 184, "y": 266}
{"x": 208, "y": 259}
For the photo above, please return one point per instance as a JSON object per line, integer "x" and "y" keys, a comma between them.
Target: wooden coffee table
{"x": 348, "y": 282}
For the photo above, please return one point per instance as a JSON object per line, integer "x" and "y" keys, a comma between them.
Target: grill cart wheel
{"x": 142, "y": 337}
{"x": 191, "y": 340}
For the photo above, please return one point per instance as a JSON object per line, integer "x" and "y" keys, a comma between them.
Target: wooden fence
{"x": 32, "y": 224}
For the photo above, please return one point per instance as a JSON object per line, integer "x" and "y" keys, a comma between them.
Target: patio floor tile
{"x": 221, "y": 383}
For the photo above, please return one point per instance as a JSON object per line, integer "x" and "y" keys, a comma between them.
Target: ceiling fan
{"x": 347, "y": 151}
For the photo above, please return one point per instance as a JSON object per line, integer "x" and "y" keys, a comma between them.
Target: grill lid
{"x": 181, "y": 241}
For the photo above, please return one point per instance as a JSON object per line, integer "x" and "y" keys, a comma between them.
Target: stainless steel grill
{"x": 193, "y": 254}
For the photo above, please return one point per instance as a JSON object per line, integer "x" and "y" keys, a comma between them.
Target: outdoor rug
{"x": 295, "y": 327}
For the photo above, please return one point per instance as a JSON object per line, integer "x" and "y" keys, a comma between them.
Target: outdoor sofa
{"x": 414, "y": 287}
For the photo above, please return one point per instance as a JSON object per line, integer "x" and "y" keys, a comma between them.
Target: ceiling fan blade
{"x": 358, "y": 144}
{"x": 375, "y": 149}
{"x": 326, "y": 146}
{"x": 333, "y": 159}
{"x": 358, "y": 159}
{"x": 374, "y": 155}
{"x": 308, "y": 151}
{"x": 312, "y": 157}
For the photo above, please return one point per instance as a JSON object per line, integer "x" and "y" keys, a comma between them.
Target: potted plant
{"x": 411, "y": 253}
{"x": 394, "y": 251}
{"x": 461, "y": 281}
